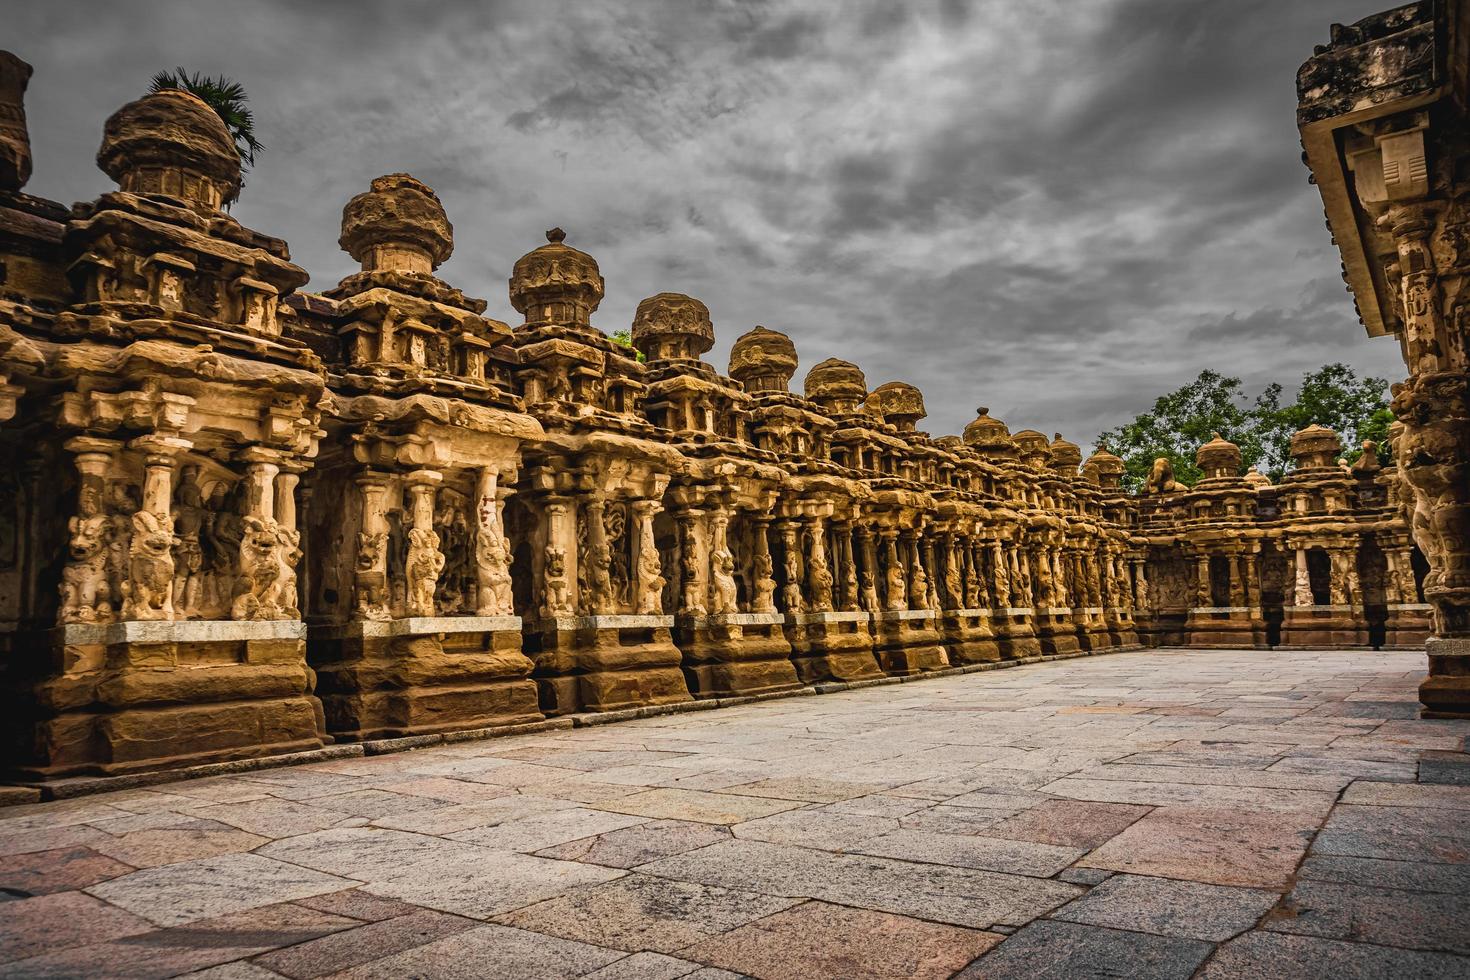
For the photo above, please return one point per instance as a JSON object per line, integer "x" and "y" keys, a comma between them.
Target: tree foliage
{"x": 226, "y": 97}
{"x": 625, "y": 338}
{"x": 1183, "y": 420}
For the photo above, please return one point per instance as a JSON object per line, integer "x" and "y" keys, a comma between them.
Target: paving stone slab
{"x": 641, "y": 843}
{"x": 1387, "y": 917}
{"x": 642, "y": 912}
{"x": 971, "y": 851}
{"x": 488, "y": 951}
{"x": 45, "y": 872}
{"x": 353, "y": 947}
{"x": 209, "y": 887}
{"x": 1187, "y": 909}
{"x": 501, "y": 882}
{"x": 1067, "y": 950}
{"x": 821, "y": 940}
{"x": 54, "y": 922}
{"x": 1265, "y": 954}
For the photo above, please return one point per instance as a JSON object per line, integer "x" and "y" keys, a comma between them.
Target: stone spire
{"x": 15, "y": 140}
{"x": 397, "y": 226}
{"x": 672, "y": 326}
{"x": 763, "y": 360}
{"x": 837, "y": 386}
{"x": 171, "y": 143}
{"x": 899, "y": 403}
{"x": 556, "y": 284}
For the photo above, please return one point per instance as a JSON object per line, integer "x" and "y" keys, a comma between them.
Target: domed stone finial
{"x": 171, "y": 143}
{"x": 672, "y": 326}
{"x": 899, "y": 403}
{"x": 15, "y": 140}
{"x": 763, "y": 360}
{"x": 1315, "y": 447}
{"x": 556, "y": 284}
{"x": 1034, "y": 447}
{"x": 397, "y": 225}
{"x": 1066, "y": 456}
{"x": 1105, "y": 469}
{"x": 1218, "y": 459}
{"x": 836, "y": 385}
{"x": 988, "y": 436}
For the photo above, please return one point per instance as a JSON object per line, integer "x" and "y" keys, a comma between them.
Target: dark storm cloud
{"x": 1056, "y": 209}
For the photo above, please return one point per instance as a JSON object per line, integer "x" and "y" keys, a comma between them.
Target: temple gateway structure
{"x": 241, "y": 519}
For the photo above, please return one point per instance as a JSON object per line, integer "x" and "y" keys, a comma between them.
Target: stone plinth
{"x": 908, "y": 641}
{"x": 605, "y": 663}
{"x": 1015, "y": 632}
{"x": 411, "y": 676}
{"x": 832, "y": 646}
{"x": 132, "y": 696}
{"x": 1407, "y": 625}
{"x": 735, "y": 653}
{"x": 968, "y": 636}
{"x": 1056, "y": 630}
{"x": 1226, "y": 627}
{"x": 1328, "y": 626}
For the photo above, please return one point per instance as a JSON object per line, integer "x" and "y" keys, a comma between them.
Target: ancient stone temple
{"x": 1382, "y": 114}
{"x": 241, "y": 519}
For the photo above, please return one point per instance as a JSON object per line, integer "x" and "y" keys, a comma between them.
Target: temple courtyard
{"x": 1164, "y": 813}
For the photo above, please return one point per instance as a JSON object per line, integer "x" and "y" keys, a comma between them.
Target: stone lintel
{"x": 893, "y": 615}
{"x": 731, "y": 619}
{"x": 425, "y": 626}
{"x": 181, "y": 631}
{"x": 818, "y": 618}
{"x": 572, "y": 624}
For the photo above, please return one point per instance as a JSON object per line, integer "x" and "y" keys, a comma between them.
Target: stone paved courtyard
{"x": 1152, "y": 814}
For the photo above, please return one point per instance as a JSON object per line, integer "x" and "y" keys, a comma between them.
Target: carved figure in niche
{"x": 1046, "y": 591}
{"x": 650, "y": 600}
{"x": 896, "y": 585}
{"x": 722, "y": 588}
{"x": 492, "y": 560}
{"x": 600, "y": 587}
{"x": 223, "y": 531}
{"x": 421, "y": 573}
{"x": 372, "y": 581}
{"x": 820, "y": 579}
{"x": 954, "y": 586}
{"x": 791, "y": 594}
{"x": 123, "y": 502}
{"x": 1023, "y": 591}
{"x": 148, "y": 592}
{"x": 456, "y": 584}
{"x": 1430, "y": 460}
{"x": 85, "y": 593}
{"x": 849, "y": 583}
{"x": 869, "y": 589}
{"x": 614, "y": 530}
{"x": 397, "y": 558}
{"x": 188, "y": 515}
{"x": 919, "y": 587}
{"x": 266, "y": 582}
{"x": 764, "y": 600}
{"x": 1302, "y": 587}
{"x": 693, "y": 601}
{"x": 1161, "y": 478}
{"x": 557, "y": 603}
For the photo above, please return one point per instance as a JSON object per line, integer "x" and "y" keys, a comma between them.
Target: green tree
{"x": 625, "y": 337}
{"x": 226, "y": 97}
{"x": 1182, "y": 420}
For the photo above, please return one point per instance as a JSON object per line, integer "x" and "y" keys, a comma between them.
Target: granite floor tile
{"x": 1068, "y": 951}
{"x": 368, "y": 853}
{"x": 1408, "y": 794}
{"x": 1396, "y": 833}
{"x": 548, "y": 830}
{"x": 357, "y": 904}
{"x": 354, "y": 947}
{"x": 1266, "y": 954}
{"x": 646, "y": 966}
{"x": 60, "y": 921}
{"x": 971, "y": 851}
{"x": 697, "y": 805}
{"x": 818, "y": 828}
{"x": 488, "y": 951}
{"x": 806, "y": 789}
{"x": 273, "y": 818}
{"x": 66, "y": 869}
{"x": 641, "y": 843}
{"x": 1069, "y": 823}
{"x": 210, "y": 887}
{"x": 816, "y": 939}
{"x": 1386, "y": 917}
{"x": 185, "y": 842}
{"x": 1447, "y": 879}
{"x": 501, "y": 882}
{"x": 641, "y": 912}
{"x": 1217, "y": 845}
{"x": 54, "y": 839}
{"x": 1164, "y": 907}
{"x": 446, "y": 820}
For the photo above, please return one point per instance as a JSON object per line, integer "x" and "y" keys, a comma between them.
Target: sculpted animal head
{"x": 88, "y": 537}
{"x": 260, "y": 539}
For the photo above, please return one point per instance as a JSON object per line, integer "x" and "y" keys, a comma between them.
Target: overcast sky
{"x": 1058, "y": 208}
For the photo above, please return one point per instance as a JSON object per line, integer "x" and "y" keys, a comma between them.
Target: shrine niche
{"x": 248, "y": 519}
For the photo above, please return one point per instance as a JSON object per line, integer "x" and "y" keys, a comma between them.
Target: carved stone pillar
{"x": 692, "y": 562}
{"x": 791, "y": 594}
{"x": 493, "y": 592}
{"x": 1000, "y": 575}
{"x": 868, "y": 578}
{"x": 424, "y": 562}
{"x": 648, "y": 568}
{"x": 87, "y": 595}
{"x": 819, "y": 571}
{"x": 895, "y": 585}
{"x": 370, "y": 575}
{"x": 723, "y": 596}
{"x": 1301, "y": 593}
{"x": 150, "y": 579}
{"x": 1338, "y": 582}
{"x": 1202, "y": 591}
{"x": 763, "y": 568}
{"x": 1252, "y": 579}
{"x": 847, "y": 567}
{"x": 598, "y": 559}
